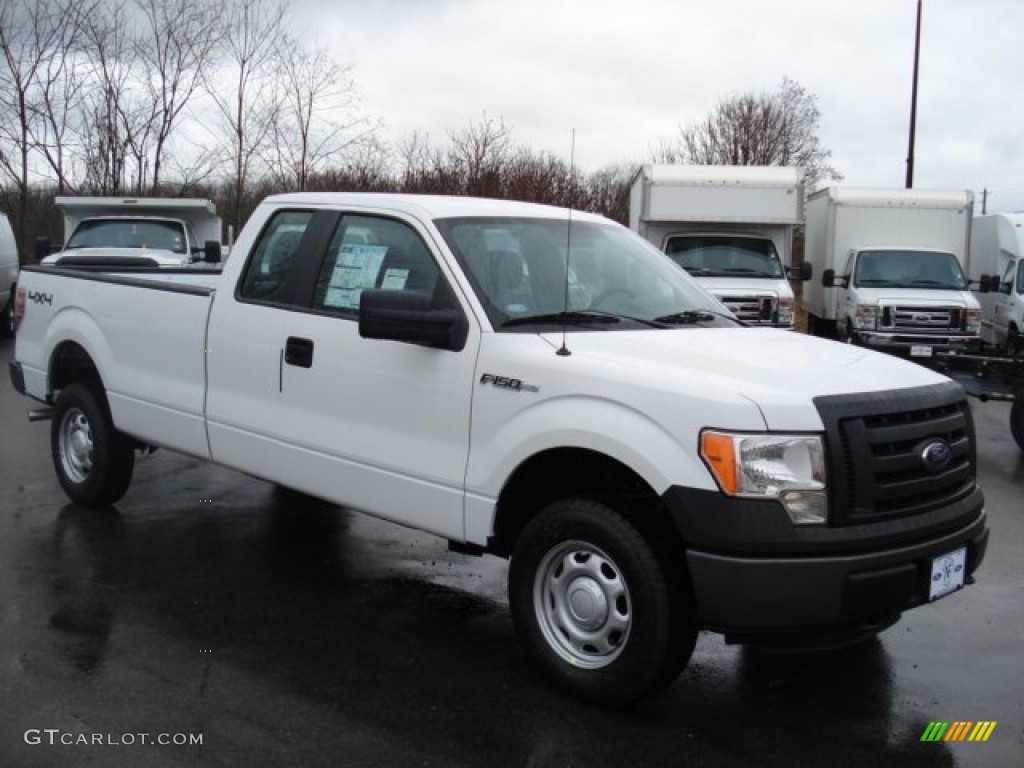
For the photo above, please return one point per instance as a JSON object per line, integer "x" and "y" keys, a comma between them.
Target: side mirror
{"x": 211, "y": 252}
{"x": 828, "y": 278}
{"x": 1006, "y": 288}
{"x": 42, "y": 248}
{"x": 803, "y": 273}
{"x": 408, "y": 316}
{"x": 985, "y": 283}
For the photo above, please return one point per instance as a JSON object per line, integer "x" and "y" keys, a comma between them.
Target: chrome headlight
{"x": 789, "y": 468}
{"x": 865, "y": 318}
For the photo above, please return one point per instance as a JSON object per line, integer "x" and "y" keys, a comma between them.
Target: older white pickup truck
{"x": 537, "y": 385}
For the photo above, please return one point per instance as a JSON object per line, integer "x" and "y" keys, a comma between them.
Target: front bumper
{"x": 904, "y": 342}
{"x": 829, "y": 579}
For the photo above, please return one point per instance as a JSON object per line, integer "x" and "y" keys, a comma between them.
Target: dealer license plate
{"x": 947, "y": 573}
{"x": 920, "y": 350}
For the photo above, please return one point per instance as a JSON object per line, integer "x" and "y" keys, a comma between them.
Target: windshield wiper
{"x": 578, "y": 317}
{"x": 691, "y": 316}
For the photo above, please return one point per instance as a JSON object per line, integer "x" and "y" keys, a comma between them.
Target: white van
{"x": 8, "y": 273}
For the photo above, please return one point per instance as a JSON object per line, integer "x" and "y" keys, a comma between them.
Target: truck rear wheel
{"x": 94, "y": 461}
{"x": 1017, "y": 418}
{"x": 595, "y": 606}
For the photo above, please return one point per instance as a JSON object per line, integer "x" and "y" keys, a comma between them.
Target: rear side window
{"x": 370, "y": 252}
{"x": 269, "y": 275}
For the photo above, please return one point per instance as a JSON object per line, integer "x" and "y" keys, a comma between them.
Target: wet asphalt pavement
{"x": 279, "y": 631}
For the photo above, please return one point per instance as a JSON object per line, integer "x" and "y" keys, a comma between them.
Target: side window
{"x": 369, "y": 252}
{"x": 266, "y": 275}
{"x": 1007, "y": 278}
{"x": 1020, "y": 277}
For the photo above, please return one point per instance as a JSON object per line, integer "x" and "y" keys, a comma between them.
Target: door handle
{"x": 299, "y": 352}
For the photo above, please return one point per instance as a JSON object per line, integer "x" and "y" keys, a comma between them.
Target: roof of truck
{"x": 898, "y": 197}
{"x": 429, "y": 206}
{"x": 723, "y": 175}
{"x": 100, "y": 206}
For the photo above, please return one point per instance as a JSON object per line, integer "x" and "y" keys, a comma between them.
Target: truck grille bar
{"x": 922, "y": 318}
{"x": 757, "y": 310}
{"x": 877, "y": 446}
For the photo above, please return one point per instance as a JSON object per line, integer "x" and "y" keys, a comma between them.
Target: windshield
{"x": 909, "y": 269}
{"x": 725, "y": 256}
{"x": 616, "y": 280}
{"x": 129, "y": 233}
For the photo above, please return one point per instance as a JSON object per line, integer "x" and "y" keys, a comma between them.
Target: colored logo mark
{"x": 959, "y": 730}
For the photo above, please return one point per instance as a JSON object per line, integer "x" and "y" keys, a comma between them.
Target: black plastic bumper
{"x": 751, "y": 593}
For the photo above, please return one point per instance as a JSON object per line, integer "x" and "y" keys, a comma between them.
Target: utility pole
{"x": 913, "y": 100}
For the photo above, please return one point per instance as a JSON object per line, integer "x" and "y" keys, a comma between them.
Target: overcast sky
{"x": 625, "y": 74}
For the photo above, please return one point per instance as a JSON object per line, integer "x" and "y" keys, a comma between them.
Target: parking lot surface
{"x": 212, "y": 619}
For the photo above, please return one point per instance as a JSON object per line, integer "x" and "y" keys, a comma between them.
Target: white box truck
{"x": 730, "y": 227}
{"x": 997, "y": 252}
{"x": 891, "y": 264}
{"x": 138, "y": 232}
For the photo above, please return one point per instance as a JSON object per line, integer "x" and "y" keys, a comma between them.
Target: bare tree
{"x": 176, "y": 40}
{"x": 317, "y": 120}
{"x": 479, "y": 153}
{"x": 115, "y": 124}
{"x": 32, "y": 33}
{"x": 243, "y": 87}
{"x": 778, "y": 128}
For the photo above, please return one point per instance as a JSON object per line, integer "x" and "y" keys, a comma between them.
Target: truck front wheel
{"x": 94, "y": 461}
{"x": 1017, "y": 418}
{"x": 594, "y": 605}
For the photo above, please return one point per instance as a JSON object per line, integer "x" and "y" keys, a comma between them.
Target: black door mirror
{"x": 211, "y": 252}
{"x": 409, "y": 316}
{"x": 803, "y": 273}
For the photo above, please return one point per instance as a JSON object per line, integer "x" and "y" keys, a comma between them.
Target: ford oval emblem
{"x": 936, "y": 455}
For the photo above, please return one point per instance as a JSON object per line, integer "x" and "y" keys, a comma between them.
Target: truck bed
{"x": 153, "y": 366}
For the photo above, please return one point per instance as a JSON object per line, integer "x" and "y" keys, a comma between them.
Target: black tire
{"x": 7, "y": 318}
{"x": 1014, "y": 341}
{"x": 595, "y": 607}
{"x": 94, "y": 462}
{"x": 1017, "y": 418}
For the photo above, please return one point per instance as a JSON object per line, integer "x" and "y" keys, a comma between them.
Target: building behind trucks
{"x": 136, "y": 232}
{"x": 892, "y": 269}
{"x": 997, "y": 252}
{"x": 730, "y": 227}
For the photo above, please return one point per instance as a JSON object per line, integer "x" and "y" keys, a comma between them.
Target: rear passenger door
{"x": 244, "y": 366}
{"x": 381, "y": 426}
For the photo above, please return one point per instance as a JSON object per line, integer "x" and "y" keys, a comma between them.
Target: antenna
{"x": 563, "y": 351}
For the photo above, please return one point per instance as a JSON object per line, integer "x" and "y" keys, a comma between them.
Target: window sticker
{"x": 355, "y": 270}
{"x": 394, "y": 279}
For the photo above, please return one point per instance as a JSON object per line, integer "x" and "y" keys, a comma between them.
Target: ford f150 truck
{"x": 537, "y": 385}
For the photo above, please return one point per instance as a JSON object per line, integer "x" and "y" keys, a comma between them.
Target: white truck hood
{"x": 779, "y": 371}
{"x": 161, "y": 257}
{"x": 916, "y": 297}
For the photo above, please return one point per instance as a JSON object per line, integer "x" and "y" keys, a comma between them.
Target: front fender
{"x": 611, "y": 428}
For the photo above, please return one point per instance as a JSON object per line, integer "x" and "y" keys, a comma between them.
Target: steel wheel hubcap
{"x": 583, "y": 604}
{"x": 76, "y": 445}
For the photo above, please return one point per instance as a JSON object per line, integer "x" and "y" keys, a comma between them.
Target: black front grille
{"x": 757, "y": 310}
{"x": 921, "y": 319}
{"x": 876, "y": 446}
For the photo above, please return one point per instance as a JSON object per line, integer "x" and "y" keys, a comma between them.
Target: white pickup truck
{"x": 535, "y": 385}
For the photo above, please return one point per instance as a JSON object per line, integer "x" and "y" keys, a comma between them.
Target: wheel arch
{"x": 70, "y": 363}
{"x": 559, "y": 473}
